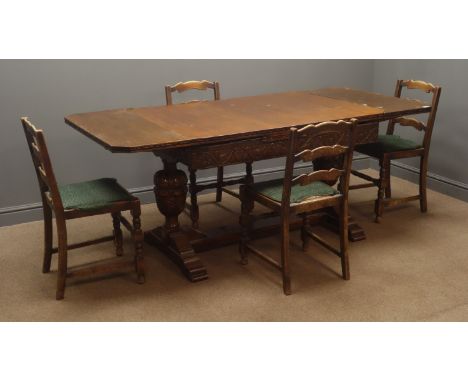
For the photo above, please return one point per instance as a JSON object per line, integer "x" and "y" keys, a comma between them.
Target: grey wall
{"x": 48, "y": 90}
{"x": 448, "y": 158}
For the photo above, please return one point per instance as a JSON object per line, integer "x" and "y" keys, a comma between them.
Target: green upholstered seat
{"x": 93, "y": 194}
{"x": 390, "y": 143}
{"x": 273, "y": 189}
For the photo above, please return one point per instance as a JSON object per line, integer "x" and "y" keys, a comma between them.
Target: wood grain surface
{"x": 193, "y": 124}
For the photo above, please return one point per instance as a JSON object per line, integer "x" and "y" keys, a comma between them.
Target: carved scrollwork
{"x": 270, "y": 146}
{"x": 232, "y": 153}
{"x": 366, "y": 133}
{"x": 170, "y": 189}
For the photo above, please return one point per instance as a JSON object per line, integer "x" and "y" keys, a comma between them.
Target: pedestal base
{"x": 355, "y": 231}
{"x": 179, "y": 249}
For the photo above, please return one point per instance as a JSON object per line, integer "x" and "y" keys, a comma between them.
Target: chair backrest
{"x": 42, "y": 165}
{"x": 418, "y": 125}
{"x": 327, "y": 140}
{"x": 192, "y": 85}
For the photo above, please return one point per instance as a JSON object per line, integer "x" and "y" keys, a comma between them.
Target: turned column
{"x": 170, "y": 189}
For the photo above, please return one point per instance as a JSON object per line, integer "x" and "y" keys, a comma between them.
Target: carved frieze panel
{"x": 268, "y": 147}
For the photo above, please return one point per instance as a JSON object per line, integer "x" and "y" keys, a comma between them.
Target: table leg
{"x": 170, "y": 189}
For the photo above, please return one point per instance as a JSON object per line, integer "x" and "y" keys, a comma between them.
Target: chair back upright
{"x": 413, "y": 122}
{"x": 45, "y": 175}
{"x": 192, "y": 85}
{"x": 327, "y": 140}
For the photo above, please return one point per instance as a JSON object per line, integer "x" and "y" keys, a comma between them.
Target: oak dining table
{"x": 226, "y": 132}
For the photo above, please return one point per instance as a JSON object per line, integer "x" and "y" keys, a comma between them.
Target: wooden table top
{"x": 392, "y": 106}
{"x": 193, "y": 124}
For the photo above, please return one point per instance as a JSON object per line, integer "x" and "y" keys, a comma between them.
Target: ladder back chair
{"x": 391, "y": 146}
{"x": 306, "y": 194}
{"x": 77, "y": 200}
{"x": 220, "y": 183}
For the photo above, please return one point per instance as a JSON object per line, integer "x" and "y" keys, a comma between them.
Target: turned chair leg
{"x": 381, "y": 190}
{"x": 62, "y": 260}
{"x": 48, "y": 239}
{"x": 249, "y": 179}
{"x": 245, "y": 222}
{"x": 304, "y": 235}
{"x": 138, "y": 242}
{"x": 285, "y": 255}
{"x": 388, "y": 187}
{"x": 423, "y": 185}
{"x": 242, "y": 244}
{"x": 194, "y": 213}
{"x": 344, "y": 242}
{"x": 118, "y": 240}
{"x": 219, "y": 185}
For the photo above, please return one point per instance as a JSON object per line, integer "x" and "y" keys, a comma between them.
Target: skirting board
{"x": 435, "y": 182}
{"x": 33, "y": 211}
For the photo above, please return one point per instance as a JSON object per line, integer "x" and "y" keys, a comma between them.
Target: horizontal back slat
{"x": 48, "y": 197}
{"x": 36, "y": 149}
{"x": 193, "y": 85}
{"x": 196, "y": 100}
{"x": 404, "y": 121}
{"x": 36, "y": 154}
{"x": 324, "y": 151}
{"x": 323, "y": 126}
{"x": 326, "y": 176}
{"x": 43, "y": 175}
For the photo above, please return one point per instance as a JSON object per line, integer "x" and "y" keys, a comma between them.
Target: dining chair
{"x": 220, "y": 184}
{"x": 306, "y": 194}
{"x": 77, "y": 200}
{"x": 391, "y": 146}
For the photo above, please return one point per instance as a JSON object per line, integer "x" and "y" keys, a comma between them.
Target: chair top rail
{"x": 419, "y": 85}
{"x": 192, "y": 85}
{"x": 323, "y": 151}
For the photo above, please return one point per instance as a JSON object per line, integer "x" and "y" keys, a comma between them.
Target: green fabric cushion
{"x": 274, "y": 190}
{"x": 392, "y": 143}
{"x": 93, "y": 194}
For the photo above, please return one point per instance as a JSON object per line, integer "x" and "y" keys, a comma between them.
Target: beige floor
{"x": 412, "y": 267}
